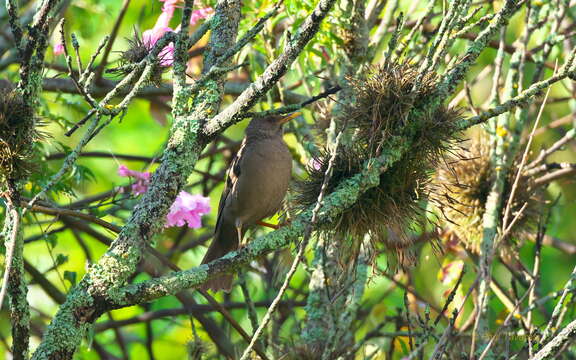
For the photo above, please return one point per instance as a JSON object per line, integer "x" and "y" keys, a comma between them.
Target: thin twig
{"x": 523, "y": 163}
{"x": 110, "y": 43}
{"x": 523, "y": 98}
{"x": 299, "y": 255}
{"x": 272, "y": 73}
{"x": 222, "y": 310}
{"x": 556, "y": 313}
{"x": 73, "y": 213}
{"x": 545, "y": 179}
{"x": 569, "y": 136}
{"x": 554, "y": 345}
{"x": 294, "y": 107}
{"x": 248, "y": 300}
{"x": 12, "y": 10}
{"x": 504, "y": 324}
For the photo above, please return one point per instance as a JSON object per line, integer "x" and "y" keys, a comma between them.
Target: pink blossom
{"x": 166, "y": 56}
{"x": 142, "y": 179}
{"x": 314, "y": 164}
{"x": 200, "y": 14}
{"x": 139, "y": 187}
{"x": 188, "y": 208}
{"x": 169, "y": 6}
{"x": 58, "y": 49}
{"x": 150, "y": 37}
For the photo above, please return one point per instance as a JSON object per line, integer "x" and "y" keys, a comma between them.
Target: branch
{"x": 569, "y": 136}
{"x": 14, "y": 281}
{"x": 453, "y": 76}
{"x": 105, "y": 86}
{"x": 110, "y": 43}
{"x": 89, "y": 298}
{"x": 272, "y": 74}
{"x": 86, "y": 302}
{"x": 345, "y": 195}
{"x": 12, "y": 10}
{"x": 299, "y": 255}
{"x": 553, "y": 346}
{"x": 163, "y": 313}
{"x": 73, "y": 213}
{"x": 521, "y": 99}
{"x": 555, "y": 175}
{"x": 136, "y": 80}
{"x": 295, "y": 107}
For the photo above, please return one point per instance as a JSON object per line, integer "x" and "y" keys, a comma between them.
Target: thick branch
{"x": 85, "y": 302}
{"x": 346, "y": 195}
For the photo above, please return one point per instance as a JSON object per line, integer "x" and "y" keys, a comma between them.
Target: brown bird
{"x": 256, "y": 184}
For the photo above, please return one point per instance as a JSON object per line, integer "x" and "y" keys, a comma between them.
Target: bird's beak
{"x": 289, "y": 117}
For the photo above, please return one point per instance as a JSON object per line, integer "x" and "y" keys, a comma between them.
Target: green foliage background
{"x": 138, "y": 133}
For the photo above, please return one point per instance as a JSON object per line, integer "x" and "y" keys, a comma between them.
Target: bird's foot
{"x": 272, "y": 226}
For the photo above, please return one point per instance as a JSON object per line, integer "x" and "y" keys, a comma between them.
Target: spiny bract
{"x": 466, "y": 182}
{"x": 388, "y": 103}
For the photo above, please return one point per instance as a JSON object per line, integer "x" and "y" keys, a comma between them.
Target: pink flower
{"x": 142, "y": 179}
{"x": 169, "y": 6}
{"x": 166, "y": 56}
{"x": 200, "y": 14}
{"x": 58, "y": 49}
{"x": 188, "y": 208}
{"x": 314, "y": 164}
{"x": 150, "y": 37}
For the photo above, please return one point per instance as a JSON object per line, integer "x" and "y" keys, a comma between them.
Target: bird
{"x": 256, "y": 183}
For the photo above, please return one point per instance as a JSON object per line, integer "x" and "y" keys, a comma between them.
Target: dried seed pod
{"x": 387, "y": 105}
{"x": 302, "y": 352}
{"x": 136, "y": 51}
{"x": 466, "y": 181}
{"x": 18, "y": 131}
{"x": 196, "y": 349}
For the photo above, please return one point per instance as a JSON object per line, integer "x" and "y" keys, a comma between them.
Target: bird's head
{"x": 268, "y": 126}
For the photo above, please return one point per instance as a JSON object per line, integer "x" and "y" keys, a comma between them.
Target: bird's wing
{"x": 259, "y": 190}
{"x": 232, "y": 176}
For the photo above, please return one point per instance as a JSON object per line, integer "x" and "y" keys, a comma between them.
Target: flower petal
{"x": 188, "y": 209}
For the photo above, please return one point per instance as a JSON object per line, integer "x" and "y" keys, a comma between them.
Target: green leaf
{"x": 61, "y": 259}
{"x": 71, "y": 276}
{"x": 51, "y": 240}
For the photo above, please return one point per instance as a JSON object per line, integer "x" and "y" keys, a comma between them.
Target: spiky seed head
{"x": 466, "y": 179}
{"x": 303, "y": 352}
{"x": 387, "y": 104}
{"x": 18, "y": 131}
{"x": 196, "y": 349}
{"x": 136, "y": 51}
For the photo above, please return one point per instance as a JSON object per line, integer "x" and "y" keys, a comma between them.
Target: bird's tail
{"x": 225, "y": 240}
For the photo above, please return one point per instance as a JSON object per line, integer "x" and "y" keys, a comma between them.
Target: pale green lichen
{"x": 120, "y": 261}
{"x": 316, "y": 330}
{"x": 66, "y": 331}
{"x": 339, "y": 200}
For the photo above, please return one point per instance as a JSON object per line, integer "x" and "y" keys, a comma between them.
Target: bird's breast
{"x": 265, "y": 175}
